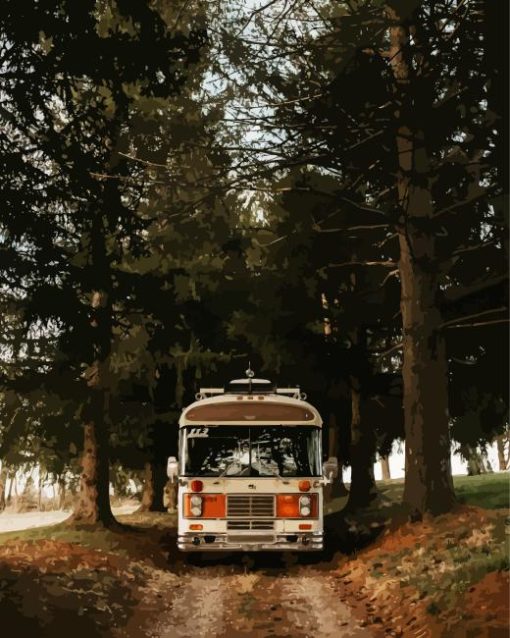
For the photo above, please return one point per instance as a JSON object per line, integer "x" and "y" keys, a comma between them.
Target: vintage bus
{"x": 250, "y": 473}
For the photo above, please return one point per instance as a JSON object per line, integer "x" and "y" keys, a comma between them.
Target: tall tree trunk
{"x": 337, "y": 488}
{"x": 93, "y": 504}
{"x": 12, "y": 484}
{"x": 385, "y": 468}
{"x": 501, "y": 441}
{"x": 40, "y": 491}
{"x": 61, "y": 493}
{"x": 148, "y": 489}
{"x": 160, "y": 480}
{"x": 171, "y": 496}
{"x": 473, "y": 459}
{"x": 3, "y": 486}
{"x": 362, "y": 489}
{"x": 428, "y": 480}
{"x": 153, "y": 488}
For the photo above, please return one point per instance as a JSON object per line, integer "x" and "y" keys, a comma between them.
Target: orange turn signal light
{"x": 196, "y": 527}
{"x": 288, "y": 506}
{"x": 304, "y": 486}
{"x": 305, "y": 526}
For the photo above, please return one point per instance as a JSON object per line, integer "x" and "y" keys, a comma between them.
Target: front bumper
{"x": 202, "y": 542}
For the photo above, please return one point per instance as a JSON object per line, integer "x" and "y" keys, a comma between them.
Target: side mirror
{"x": 330, "y": 469}
{"x": 172, "y": 468}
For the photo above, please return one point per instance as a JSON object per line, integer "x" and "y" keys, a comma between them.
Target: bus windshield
{"x": 234, "y": 450}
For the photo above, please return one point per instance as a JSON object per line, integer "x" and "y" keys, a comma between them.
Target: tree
{"x": 370, "y": 92}
{"x": 68, "y": 118}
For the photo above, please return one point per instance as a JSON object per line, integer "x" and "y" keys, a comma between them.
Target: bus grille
{"x": 250, "y": 505}
{"x": 249, "y": 525}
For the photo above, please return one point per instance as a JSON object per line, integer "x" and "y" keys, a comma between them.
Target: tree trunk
{"x": 39, "y": 491}
{"x": 473, "y": 459}
{"x": 148, "y": 489}
{"x": 428, "y": 480}
{"x": 363, "y": 489}
{"x": 93, "y": 504}
{"x": 385, "y": 468}
{"x": 337, "y": 488}
{"x": 171, "y": 496}
{"x": 501, "y": 441}
{"x": 153, "y": 488}
{"x": 61, "y": 493}
{"x": 12, "y": 484}
{"x": 3, "y": 485}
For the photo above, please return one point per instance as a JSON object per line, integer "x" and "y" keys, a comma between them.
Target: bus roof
{"x": 250, "y": 409}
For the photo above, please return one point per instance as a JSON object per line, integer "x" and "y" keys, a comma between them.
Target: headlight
{"x": 196, "y": 505}
{"x": 304, "y": 505}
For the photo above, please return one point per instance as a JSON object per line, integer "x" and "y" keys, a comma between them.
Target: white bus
{"x": 249, "y": 470}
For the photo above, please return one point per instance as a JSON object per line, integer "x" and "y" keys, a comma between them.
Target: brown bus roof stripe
{"x": 249, "y": 412}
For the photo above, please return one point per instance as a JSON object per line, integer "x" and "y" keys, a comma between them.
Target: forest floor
{"x": 443, "y": 577}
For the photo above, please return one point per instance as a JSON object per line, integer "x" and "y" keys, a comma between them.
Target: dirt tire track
{"x": 299, "y": 604}
{"x": 196, "y": 608}
{"x": 217, "y": 602}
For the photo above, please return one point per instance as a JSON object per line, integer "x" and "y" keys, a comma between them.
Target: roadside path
{"x": 13, "y": 521}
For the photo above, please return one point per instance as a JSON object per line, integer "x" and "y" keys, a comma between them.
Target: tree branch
{"x": 473, "y": 316}
{"x": 397, "y": 346}
{"x": 480, "y": 323}
{"x": 385, "y": 264}
{"x": 455, "y": 294}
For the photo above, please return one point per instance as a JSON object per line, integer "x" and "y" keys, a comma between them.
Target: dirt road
{"x": 221, "y": 602}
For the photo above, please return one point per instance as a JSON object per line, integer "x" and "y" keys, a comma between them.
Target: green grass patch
{"x": 142, "y": 531}
{"x": 491, "y": 491}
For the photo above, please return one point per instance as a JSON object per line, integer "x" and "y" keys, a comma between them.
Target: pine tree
{"x": 68, "y": 119}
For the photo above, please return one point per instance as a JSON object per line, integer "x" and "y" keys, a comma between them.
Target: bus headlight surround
{"x": 305, "y": 505}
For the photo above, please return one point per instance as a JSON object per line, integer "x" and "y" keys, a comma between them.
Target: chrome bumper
{"x": 203, "y": 542}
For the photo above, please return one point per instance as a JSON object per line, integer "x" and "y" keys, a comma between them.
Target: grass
{"x": 145, "y": 538}
{"x": 490, "y": 491}
{"x": 429, "y": 571}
